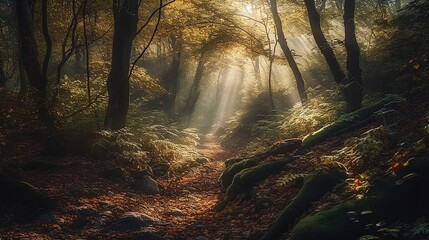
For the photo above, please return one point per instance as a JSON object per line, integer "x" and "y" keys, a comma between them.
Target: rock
{"x": 199, "y": 238}
{"x": 131, "y": 221}
{"x": 43, "y": 165}
{"x": 139, "y": 174}
{"x": 160, "y": 169}
{"x": 191, "y": 189}
{"x": 105, "y": 214}
{"x": 176, "y": 212}
{"x": 202, "y": 160}
{"x": 85, "y": 211}
{"x": 17, "y": 192}
{"x": 147, "y": 185}
{"x": 86, "y": 192}
{"x": 47, "y": 217}
{"x": 114, "y": 174}
{"x": 149, "y": 236}
{"x": 106, "y": 205}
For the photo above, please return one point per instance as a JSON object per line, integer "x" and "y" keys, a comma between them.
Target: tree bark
{"x": 195, "y": 89}
{"x": 172, "y": 79}
{"x": 38, "y": 81}
{"x": 287, "y": 52}
{"x": 353, "y": 84}
{"x": 48, "y": 41}
{"x": 325, "y": 48}
{"x": 2, "y": 74}
{"x": 118, "y": 82}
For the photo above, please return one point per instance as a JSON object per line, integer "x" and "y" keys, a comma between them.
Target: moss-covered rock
{"x": 348, "y": 122}
{"x": 401, "y": 197}
{"x": 315, "y": 186}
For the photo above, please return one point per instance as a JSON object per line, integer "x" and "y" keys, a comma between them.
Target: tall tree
{"x": 125, "y": 27}
{"x": 322, "y": 43}
{"x": 352, "y": 83}
{"x": 287, "y": 52}
{"x": 38, "y": 81}
{"x": 172, "y": 76}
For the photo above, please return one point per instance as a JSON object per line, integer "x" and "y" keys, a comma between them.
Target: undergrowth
{"x": 262, "y": 128}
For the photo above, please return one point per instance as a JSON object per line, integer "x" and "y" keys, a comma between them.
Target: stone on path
{"x": 131, "y": 221}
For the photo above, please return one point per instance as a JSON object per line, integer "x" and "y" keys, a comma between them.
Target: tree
{"x": 125, "y": 27}
{"x": 287, "y": 52}
{"x": 37, "y": 79}
{"x": 352, "y": 83}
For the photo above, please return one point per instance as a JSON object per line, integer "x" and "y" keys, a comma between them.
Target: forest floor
{"x": 182, "y": 210}
{"x": 87, "y": 205}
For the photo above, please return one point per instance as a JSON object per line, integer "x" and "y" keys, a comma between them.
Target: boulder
{"x": 114, "y": 174}
{"x": 149, "y": 236}
{"x": 18, "y": 192}
{"x": 131, "y": 221}
{"x": 147, "y": 185}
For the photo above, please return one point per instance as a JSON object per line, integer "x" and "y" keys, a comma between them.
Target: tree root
{"x": 315, "y": 186}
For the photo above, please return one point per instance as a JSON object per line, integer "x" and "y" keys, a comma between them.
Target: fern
{"x": 288, "y": 179}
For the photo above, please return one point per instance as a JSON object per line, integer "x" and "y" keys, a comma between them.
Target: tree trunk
{"x": 319, "y": 37}
{"x": 118, "y": 81}
{"x": 288, "y": 54}
{"x": 353, "y": 85}
{"x": 257, "y": 70}
{"x": 29, "y": 55}
{"x": 2, "y": 74}
{"x": 195, "y": 89}
{"x": 23, "y": 79}
{"x": 48, "y": 40}
{"x": 172, "y": 79}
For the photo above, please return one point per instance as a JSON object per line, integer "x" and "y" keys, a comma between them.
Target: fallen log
{"x": 349, "y": 122}
{"x": 247, "y": 178}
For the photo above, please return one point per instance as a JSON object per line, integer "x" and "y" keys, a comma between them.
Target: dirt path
{"x": 183, "y": 209}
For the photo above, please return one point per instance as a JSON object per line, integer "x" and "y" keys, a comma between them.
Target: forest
{"x": 210, "y": 120}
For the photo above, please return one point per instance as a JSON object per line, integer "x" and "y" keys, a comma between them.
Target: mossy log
{"x": 402, "y": 197}
{"x": 229, "y": 173}
{"x": 349, "y": 122}
{"x": 234, "y": 166}
{"x": 247, "y": 178}
{"x": 314, "y": 187}
{"x": 287, "y": 146}
{"x": 17, "y": 192}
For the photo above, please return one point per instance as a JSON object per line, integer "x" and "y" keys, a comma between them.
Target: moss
{"x": 249, "y": 177}
{"x": 401, "y": 197}
{"x": 228, "y": 175}
{"x": 244, "y": 180}
{"x": 346, "y": 122}
{"x": 315, "y": 186}
{"x": 287, "y": 146}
